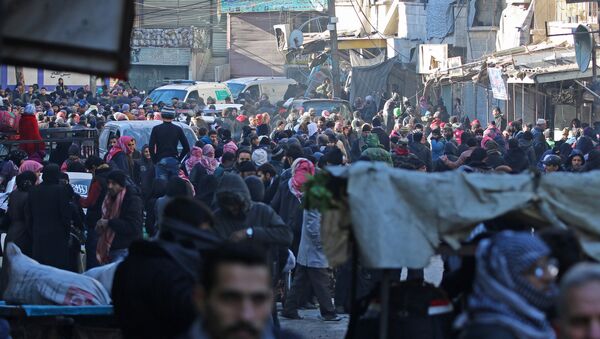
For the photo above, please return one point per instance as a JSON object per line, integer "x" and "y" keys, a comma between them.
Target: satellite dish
{"x": 296, "y": 39}
{"x": 583, "y": 47}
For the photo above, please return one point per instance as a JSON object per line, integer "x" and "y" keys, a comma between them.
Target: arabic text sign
{"x": 247, "y": 6}
{"x": 80, "y": 182}
{"x": 497, "y": 83}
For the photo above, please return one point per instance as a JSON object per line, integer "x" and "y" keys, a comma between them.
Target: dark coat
{"x": 152, "y": 294}
{"x": 423, "y": 153}
{"x": 50, "y": 210}
{"x": 122, "y": 162}
{"x": 488, "y": 331}
{"x": 128, "y": 226}
{"x": 384, "y": 139}
{"x": 290, "y": 209}
{"x": 17, "y": 219}
{"x": 517, "y": 160}
{"x": 143, "y": 176}
{"x": 268, "y": 227}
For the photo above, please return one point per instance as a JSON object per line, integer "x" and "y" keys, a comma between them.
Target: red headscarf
{"x": 302, "y": 169}
{"x": 121, "y": 146}
{"x": 208, "y": 159}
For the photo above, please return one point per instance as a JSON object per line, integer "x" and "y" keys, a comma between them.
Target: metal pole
{"x": 385, "y": 305}
{"x": 335, "y": 58}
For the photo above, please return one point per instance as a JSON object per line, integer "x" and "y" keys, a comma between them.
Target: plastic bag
{"x": 30, "y": 282}
{"x": 104, "y": 274}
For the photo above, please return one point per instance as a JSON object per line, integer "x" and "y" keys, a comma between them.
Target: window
{"x": 193, "y": 95}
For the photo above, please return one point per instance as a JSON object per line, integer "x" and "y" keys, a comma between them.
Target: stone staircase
{"x": 209, "y": 74}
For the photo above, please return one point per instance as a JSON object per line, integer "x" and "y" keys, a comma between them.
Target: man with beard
{"x": 235, "y": 298}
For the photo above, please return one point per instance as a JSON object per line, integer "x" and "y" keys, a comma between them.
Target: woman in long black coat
{"x": 50, "y": 220}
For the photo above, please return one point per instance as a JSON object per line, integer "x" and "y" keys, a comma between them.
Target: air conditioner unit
{"x": 282, "y": 33}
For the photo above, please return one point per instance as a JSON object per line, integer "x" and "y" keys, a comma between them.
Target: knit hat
{"x": 551, "y": 160}
{"x": 260, "y": 157}
{"x": 29, "y": 109}
{"x": 167, "y": 112}
{"x": 119, "y": 177}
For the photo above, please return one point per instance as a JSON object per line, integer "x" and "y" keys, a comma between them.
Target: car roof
{"x": 321, "y": 100}
{"x": 191, "y": 86}
{"x": 132, "y": 124}
{"x": 247, "y": 80}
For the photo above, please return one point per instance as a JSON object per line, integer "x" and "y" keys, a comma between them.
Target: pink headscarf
{"x": 208, "y": 159}
{"x": 30, "y": 165}
{"x": 121, "y": 146}
{"x": 230, "y": 147}
{"x": 195, "y": 157}
{"x": 302, "y": 169}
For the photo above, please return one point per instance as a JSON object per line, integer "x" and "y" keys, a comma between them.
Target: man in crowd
{"x": 579, "y": 302}
{"x": 164, "y": 139}
{"x": 234, "y": 297}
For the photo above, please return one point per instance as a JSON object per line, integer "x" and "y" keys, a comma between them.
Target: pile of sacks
{"x": 30, "y": 282}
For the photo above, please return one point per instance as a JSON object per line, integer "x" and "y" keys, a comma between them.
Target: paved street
{"x": 311, "y": 327}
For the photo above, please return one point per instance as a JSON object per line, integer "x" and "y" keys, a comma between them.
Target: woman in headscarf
{"x": 208, "y": 160}
{"x": 29, "y": 130}
{"x": 513, "y": 287}
{"x": 119, "y": 156}
{"x": 144, "y": 172}
{"x": 50, "y": 214}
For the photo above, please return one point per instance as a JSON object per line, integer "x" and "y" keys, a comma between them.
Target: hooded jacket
{"x": 268, "y": 227}
{"x": 527, "y": 147}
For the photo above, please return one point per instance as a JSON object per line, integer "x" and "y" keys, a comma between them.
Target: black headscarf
{"x": 51, "y": 174}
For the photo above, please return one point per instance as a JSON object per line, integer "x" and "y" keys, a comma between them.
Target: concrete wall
{"x": 483, "y": 41}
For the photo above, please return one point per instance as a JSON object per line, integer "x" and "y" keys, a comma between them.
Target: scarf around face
{"x": 302, "y": 170}
{"x": 208, "y": 160}
{"x": 195, "y": 157}
{"x": 111, "y": 209}
{"x": 501, "y": 294}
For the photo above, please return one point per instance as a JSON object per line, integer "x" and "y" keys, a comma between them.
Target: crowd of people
{"x": 204, "y": 233}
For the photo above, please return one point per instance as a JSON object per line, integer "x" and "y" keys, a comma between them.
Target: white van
{"x": 188, "y": 89}
{"x": 273, "y": 87}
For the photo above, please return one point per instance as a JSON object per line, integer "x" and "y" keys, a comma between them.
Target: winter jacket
{"x": 527, "y": 147}
{"x": 153, "y": 287}
{"x": 487, "y": 331}
{"x": 437, "y": 148}
{"x": 310, "y": 252}
{"x": 517, "y": 160}
{"x": 290, "y": 209}
{"x": 51, "y": 212}
{"x": 128, "y": 226}
{"x": 17, "y": 218}
{"x": 423, "y": 153}
{"x": 268, "y": 227}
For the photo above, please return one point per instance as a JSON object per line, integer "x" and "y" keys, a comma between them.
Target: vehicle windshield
{"x": 142, "y": 136}
{"x": 331, "y": 106}
{"x": 235, "y": 88}
{"x": 165, "y": 95}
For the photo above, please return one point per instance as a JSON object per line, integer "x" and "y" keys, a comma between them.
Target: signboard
{"x": 432, "y": 57}
{"x": 221, "y": 94}
{"x": 497, "y": 83}
{"x": 80, "y": 182}
{"x": 248, "y": 6}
